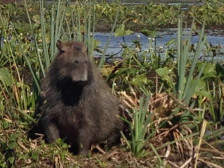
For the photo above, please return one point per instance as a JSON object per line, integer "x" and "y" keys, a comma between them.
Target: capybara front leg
{"x": 50, "y": 129}
{"x": 84, "y": 141}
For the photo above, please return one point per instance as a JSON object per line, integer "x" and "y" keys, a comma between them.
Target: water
{"x": 214, "y": 37}
{"x": 115, "y": 46}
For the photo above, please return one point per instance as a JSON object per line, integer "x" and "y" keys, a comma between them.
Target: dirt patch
{"x": 9, "y": 1}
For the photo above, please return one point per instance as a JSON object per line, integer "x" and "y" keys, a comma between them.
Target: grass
{"x": 179, "y": 124}
{"x": 141, "y": 120}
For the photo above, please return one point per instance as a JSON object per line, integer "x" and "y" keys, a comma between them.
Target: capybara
{"x": 76, "y": 103}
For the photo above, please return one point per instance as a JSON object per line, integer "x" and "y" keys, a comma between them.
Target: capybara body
{"x": 76, "y": 104}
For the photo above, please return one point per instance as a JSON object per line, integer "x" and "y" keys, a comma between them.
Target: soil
{"x": 9, "y": 1}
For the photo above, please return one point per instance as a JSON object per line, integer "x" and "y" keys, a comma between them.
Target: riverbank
{"x": 139, "y": 17}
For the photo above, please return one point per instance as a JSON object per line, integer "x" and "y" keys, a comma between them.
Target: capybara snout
{"x": 79, "y": 74}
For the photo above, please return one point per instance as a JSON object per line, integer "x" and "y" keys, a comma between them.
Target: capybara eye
{"x": 62, "y": 51}
{"x": 76, "y": 62}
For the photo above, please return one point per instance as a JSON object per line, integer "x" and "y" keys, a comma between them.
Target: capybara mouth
{"x": 68, "y": 82}
{"x": 79, "y": 83}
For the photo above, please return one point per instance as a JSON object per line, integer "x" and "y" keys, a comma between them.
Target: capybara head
{"x": 72, "y": 62}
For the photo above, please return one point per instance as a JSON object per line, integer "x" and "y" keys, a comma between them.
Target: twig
{"x": 166, "y": 118}
{"x": 100, "y": 149}
{"x": 167, "y": 154}
{"x": 173, "y": 164}
{"x": 214, "y": 149}
{"x": 183, "y": 105}
{"x": 186, "y": 163}
{"x": 123, "y": 93}
{"x": 112, "y": 154}
{"x": 212, "y": 165}
{"x": 204, "y": 124}
{"x": 22, "y": 146}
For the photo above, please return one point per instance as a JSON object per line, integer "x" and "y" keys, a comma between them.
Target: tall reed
{"x": 186, "y": 82}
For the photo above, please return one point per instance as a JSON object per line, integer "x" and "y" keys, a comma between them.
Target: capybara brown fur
{"x": 76, "y": 103}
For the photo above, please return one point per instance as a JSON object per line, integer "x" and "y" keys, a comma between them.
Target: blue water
{"x": 214, "y": 37}
{"x": 161, "y": 40}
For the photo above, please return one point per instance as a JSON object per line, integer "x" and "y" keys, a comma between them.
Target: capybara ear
{"x": 59, "y": 45}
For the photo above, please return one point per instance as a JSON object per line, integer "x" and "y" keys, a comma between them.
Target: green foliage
{"x": 186, "y": 84}
{"x": 141, "y": 120}
{"x": 137, "y": 16}
{"x": 167, "y": 75}
{"x": 211, "y": 13}
{"x": 134, "y": 72}
{"x": 6, "y": 77}
{"x": 120, "y": 31}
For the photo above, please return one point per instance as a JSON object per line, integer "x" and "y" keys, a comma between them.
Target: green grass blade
{"x": 156, "y": 153}
{"x": 103, "y": 58}
{"x": 35, "y": 78}
{"x": 43, "y": 34}
{"x": 53, "y": 40}
{"x": 195, "y": 60}
{"x": 189, "y": 93}
{"x": 179, "y": 41}
{"x": 57, "y": 21}
{"x": 180, "y": 65}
